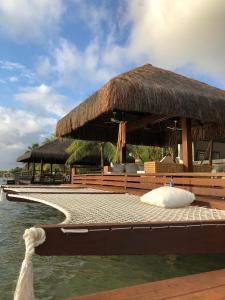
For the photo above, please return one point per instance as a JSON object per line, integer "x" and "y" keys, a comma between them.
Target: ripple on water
{"x": 60, "y": 277}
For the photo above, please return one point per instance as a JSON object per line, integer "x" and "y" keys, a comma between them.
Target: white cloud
{"x": 13, "y": 79}
{"x": 13, "y": 71}
{"x": 171, "y": 34}
{"x": 72, "y": 67}
{"x": 29, "y": 20}
{"x": 92, "y": 15}
{"x": 9, "y": 65}
{"x": 19, "y": 129}
{"x": 178, "y": 33}
{"x": 45, "y": 99}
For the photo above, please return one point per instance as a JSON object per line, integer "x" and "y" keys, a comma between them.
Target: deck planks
{"x": 207, "y": 286}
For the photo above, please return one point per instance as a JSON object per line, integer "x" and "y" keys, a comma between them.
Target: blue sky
{"x": 55, "y": 53}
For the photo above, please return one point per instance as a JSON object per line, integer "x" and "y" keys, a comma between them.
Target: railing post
{"x": 73, "y": 173}
{"x": 210, "y": 152}
{"x": 187, "y": 144}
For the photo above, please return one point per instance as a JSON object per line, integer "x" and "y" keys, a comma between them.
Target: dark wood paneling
{"x": 135, "y": 239}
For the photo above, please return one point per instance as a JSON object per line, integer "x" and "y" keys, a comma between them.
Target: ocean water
{"x": 60, "y": 277}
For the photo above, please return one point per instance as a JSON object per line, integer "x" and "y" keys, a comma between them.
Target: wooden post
{"x": 33, "y": 173}
{"x": 210, "y": 151}
{"x": 51, "y": 168}
{"x": 28, "y": 166}
{"x": 73, "y": 172}
{"x": 123, "y": 154}
{"x": 41, "y": 168}
{"x": 33, "y": 169}
{"x": 102, "y": 155}
{"x": 123, "y": 143}
{"x": 187, "y": 144}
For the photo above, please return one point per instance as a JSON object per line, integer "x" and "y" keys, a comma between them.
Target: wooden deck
{"x": 207, "y": 286}
{"x": 100, "y": 223}
{"x": 209, "y": 188}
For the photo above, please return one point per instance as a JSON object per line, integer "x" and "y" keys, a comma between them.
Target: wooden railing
{"x": 24, "y": 176}
{"x": 44, "y": 177}
{"x": 208, "y": 187}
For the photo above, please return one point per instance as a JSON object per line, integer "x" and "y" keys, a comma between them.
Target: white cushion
{"x": 168, "y": 197}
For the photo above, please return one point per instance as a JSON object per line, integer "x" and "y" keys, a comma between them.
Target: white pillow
{"x": 168, "y": 197}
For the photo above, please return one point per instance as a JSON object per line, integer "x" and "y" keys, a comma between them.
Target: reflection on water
{"x": 60, "y": 277}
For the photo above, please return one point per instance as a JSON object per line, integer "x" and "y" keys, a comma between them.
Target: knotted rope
{"x": 24, "y": 290}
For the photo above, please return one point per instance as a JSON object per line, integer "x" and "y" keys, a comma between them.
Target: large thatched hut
{"x": 159, "y": 107}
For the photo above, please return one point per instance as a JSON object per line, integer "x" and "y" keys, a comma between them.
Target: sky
{"x": 53, "y": 54}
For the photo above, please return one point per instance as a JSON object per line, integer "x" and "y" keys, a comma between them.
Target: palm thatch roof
{"x": 147, "y": 90}
{"x": 53, "y": 152}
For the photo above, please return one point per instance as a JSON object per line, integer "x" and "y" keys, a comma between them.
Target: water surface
{"x": 60, "y": 277}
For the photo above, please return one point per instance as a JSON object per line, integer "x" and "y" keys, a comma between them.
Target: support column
{"x": 41, "y": 168}
{"x": 122, "y": 142}
{"x": 28, "y": 166}
{"x": 187, "y": 144}
{"x": 33, "y": 173}
{"x": 71, "y": 174}
{"x": 123, "y": 154}
{"x": 51, "y": 168}
{"x": 210, "y": 151}
{"x": 73, "y": 171}
{"x": 102, "y": 155}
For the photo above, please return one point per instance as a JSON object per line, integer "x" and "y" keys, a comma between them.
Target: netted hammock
{"x": 90, "y": 206}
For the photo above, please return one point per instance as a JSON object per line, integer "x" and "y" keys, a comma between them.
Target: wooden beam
{"x": 33, "y": 173}
{"x": 102, "y": 155}
{"x": 123, "y": 154}
{"x": 134, "y": 239}
{"x": 187, "y": 144}
{"x": 122, "y": 141}
{"x": 73, "y": 171}
{"x": 210, "y": 151}
{"x": 33, "y": 169}
{"x": 42, "y": 167}
{"x": 143, "y": 122}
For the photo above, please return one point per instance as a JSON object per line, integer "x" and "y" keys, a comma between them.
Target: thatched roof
{"x": 144, "y": 91}
{"x": 53, "y": 152}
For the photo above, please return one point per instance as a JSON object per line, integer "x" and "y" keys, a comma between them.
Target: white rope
{"x": 24, "y": 290}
